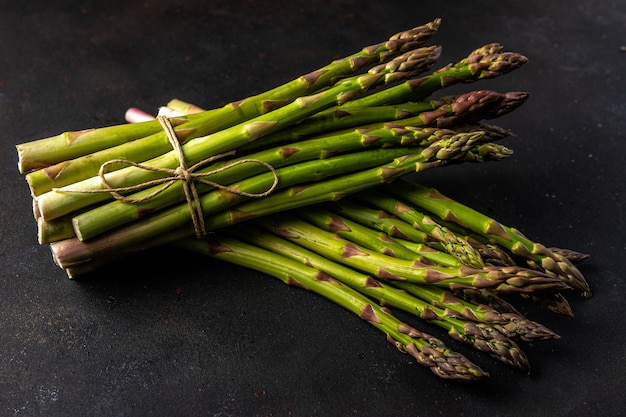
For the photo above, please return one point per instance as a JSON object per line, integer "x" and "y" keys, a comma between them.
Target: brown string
{"x": 183, "y": 173}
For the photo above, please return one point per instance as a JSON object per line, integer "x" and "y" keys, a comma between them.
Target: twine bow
{"x": 183, "y": 173}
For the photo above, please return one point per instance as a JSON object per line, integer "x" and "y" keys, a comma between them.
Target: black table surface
{"x": 171, "y": 334}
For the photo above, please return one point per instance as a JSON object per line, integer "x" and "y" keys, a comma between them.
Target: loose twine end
{"x": 183, "y": 173}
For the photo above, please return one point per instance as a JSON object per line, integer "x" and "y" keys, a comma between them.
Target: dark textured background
{"x": 174, "y": 335}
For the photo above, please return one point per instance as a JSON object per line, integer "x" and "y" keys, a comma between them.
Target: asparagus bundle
{"x": 355, "y": 123}
{"x": 322, "y": 257}
{"x": 214, "y": 180}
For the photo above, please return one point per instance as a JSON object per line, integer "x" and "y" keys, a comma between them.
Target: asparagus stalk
{"x": 396, "y": 228}
{"x": 42, "y": 154}
{"x": 182, "y": 107}
{"x": 80, "y": 194}
{"x": 46, "y": 152}
{"x": 486, "y": 297}
{"x": 425, "y": 349}
{"x": 54, "y": 230}
{"x": 431, "y": 200}
{"x": 380, "y": 220}
{"x": 489, "y": 253}
{"x": 569, "y": 254}
{"x": 512, "y": 325}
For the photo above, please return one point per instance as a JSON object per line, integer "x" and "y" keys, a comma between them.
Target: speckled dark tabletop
{"x": 170, "y": 334}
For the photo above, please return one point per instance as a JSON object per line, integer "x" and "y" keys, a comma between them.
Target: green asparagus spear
{"x": 44, "y": 154}
{"x": 569, "y": 254}
{"x": 380, "y": 220}
{"x": 488, "y": 298}
{"x": 512, "y": 325}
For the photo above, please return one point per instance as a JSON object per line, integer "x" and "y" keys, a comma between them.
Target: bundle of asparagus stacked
{"x": 329, "y": 136}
